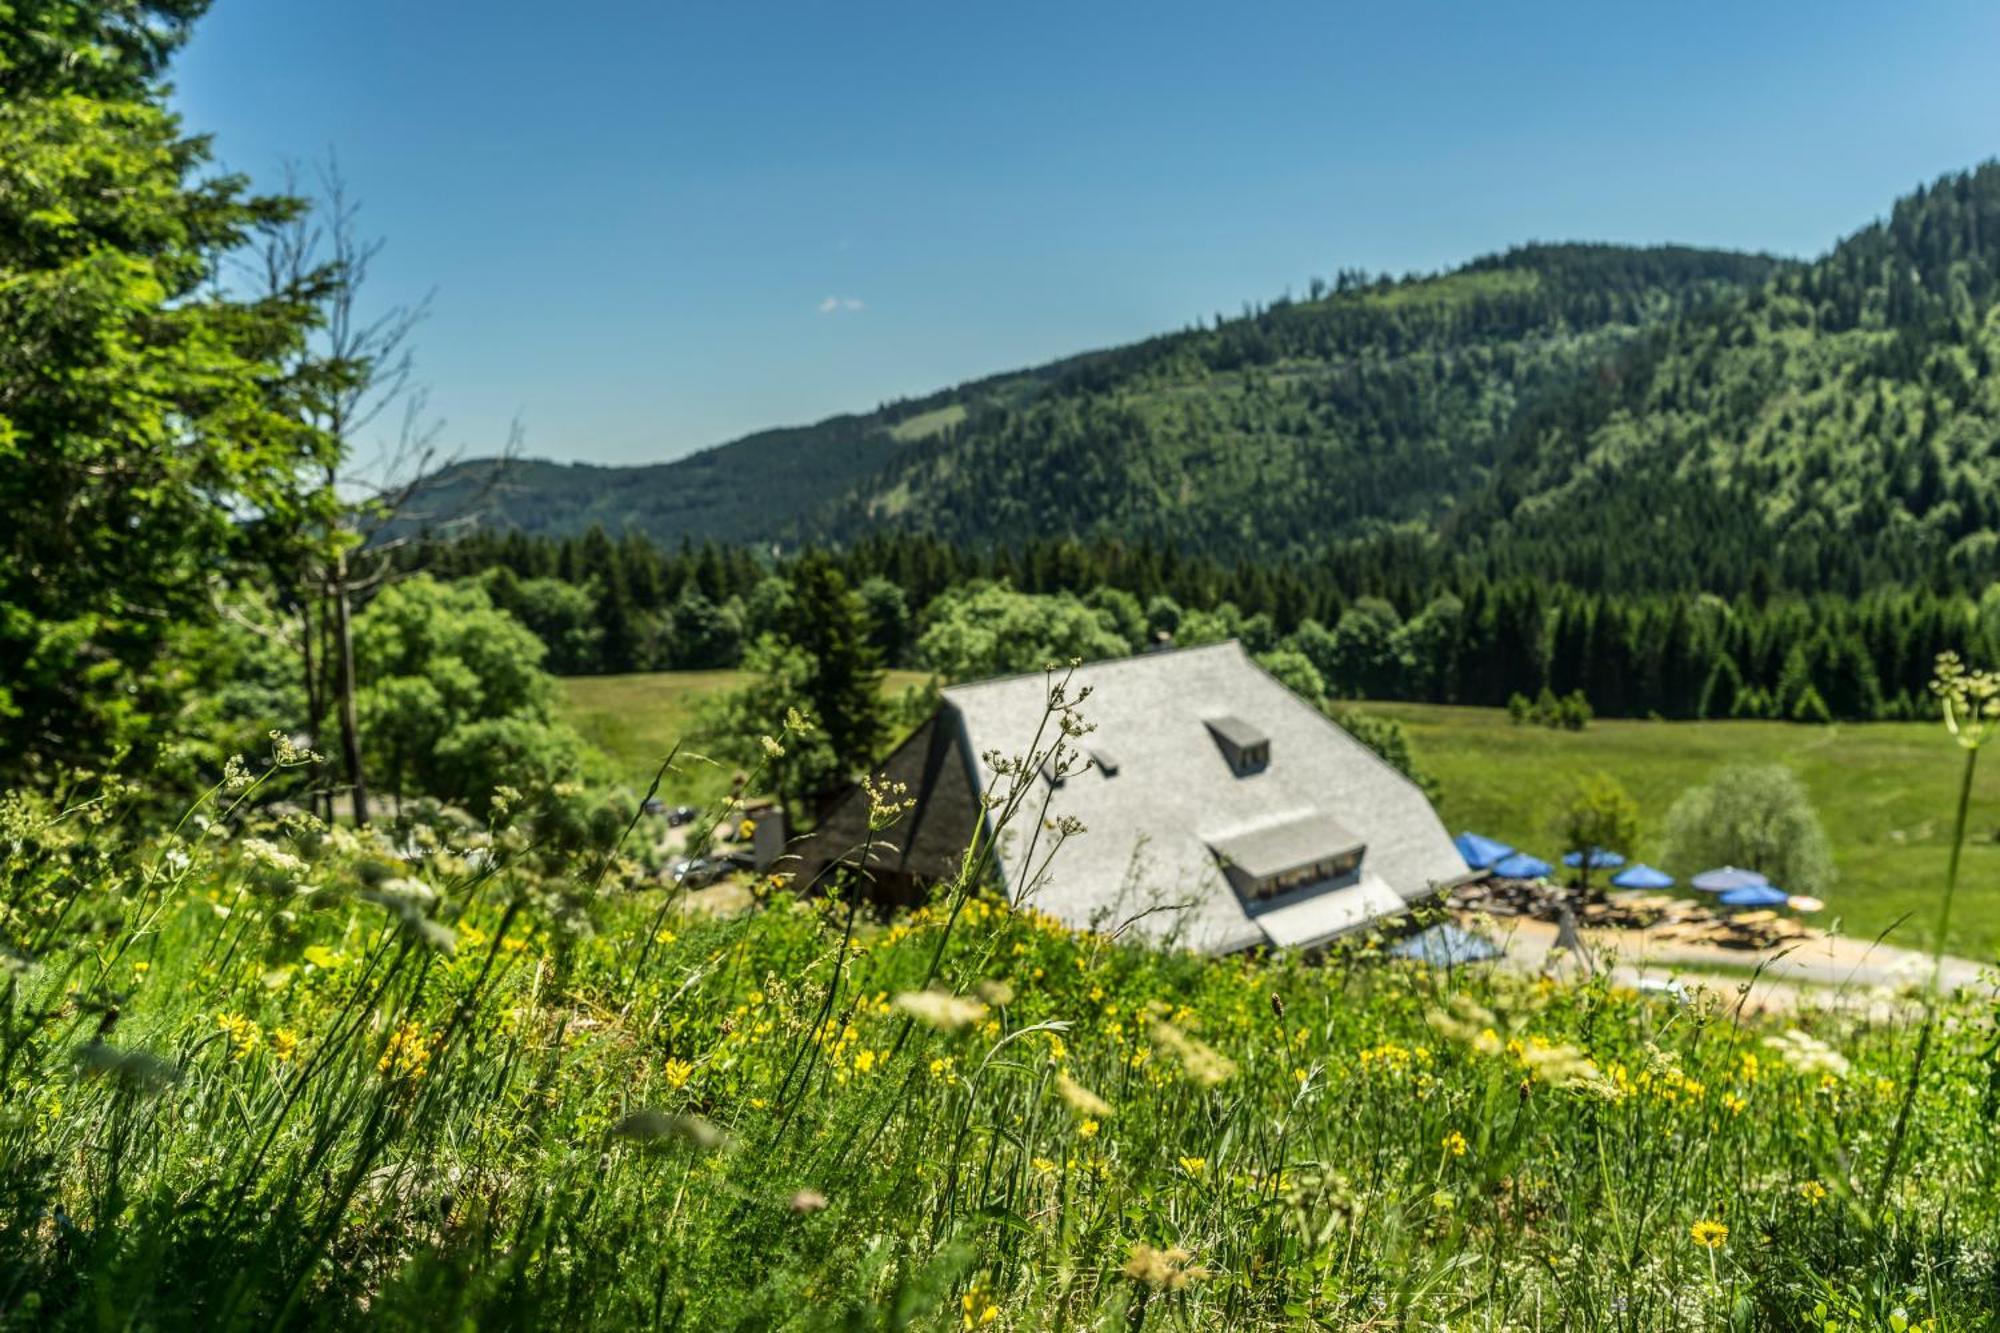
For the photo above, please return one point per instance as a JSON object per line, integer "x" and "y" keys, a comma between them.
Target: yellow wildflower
{"x": 976, "y": 1308}
{"x": 678, "y": 1073}
{"x": 1455, "y": 1144}
{"x": 407, "y": 1055}
{"x": 243, "y": 1033}
{"x": 284, "y": 1043}
{"x": 1709, "y": 1234}
{"x": 1194, "y": 1166}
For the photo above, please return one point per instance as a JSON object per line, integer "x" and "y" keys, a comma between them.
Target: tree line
{"x": 623, "y": 604}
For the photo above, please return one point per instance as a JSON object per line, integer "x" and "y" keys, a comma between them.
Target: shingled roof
{"x": 1179, "y": 837}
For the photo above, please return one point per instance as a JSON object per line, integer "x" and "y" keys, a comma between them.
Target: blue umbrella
{"x": 1727, "y": 878}
{"x": 1522, "y": 866}
{"x": 1479, "y": 853}
{"x": 1446, "y": 945}
{"x": 1755, "y": 895}
{"x": 1600, "y": 859}
{"x": 1642, "y": 876}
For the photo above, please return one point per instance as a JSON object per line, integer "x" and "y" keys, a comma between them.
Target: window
{"x": 1299, "y": 877}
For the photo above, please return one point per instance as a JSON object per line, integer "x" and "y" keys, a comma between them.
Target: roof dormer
{"x": 1247, "y": 749}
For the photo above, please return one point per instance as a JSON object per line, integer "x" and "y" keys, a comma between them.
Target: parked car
{"x": 681, "y": 814}
{"x": 694, "y": 872}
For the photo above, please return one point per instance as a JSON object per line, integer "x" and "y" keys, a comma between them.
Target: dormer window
{"x": 1290, "y": 857}
{"x": 1247, "y": 749}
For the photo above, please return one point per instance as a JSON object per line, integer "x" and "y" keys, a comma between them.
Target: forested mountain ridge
{"x": 1836, "y": 425}
{"x": 1371, "y": 402}
{"x": 1606, "y": 416}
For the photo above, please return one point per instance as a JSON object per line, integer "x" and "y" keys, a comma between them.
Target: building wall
{"x": 924, "y": 846}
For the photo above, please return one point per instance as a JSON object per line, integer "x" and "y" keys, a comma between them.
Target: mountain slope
{"x": 1839, "y": 423}
{"x": 1609, "y": 416}
{"x": 1374, "y": 404}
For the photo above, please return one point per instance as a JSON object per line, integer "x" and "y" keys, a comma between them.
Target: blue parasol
{"x": 1522, "y": 866}
{"x": 1727, "y": 878}
{"x": 1480, "y": 853}
{"x": 1642, "y": 876}
{"x": 1755, "y": 895}
{"x": 1600, "y": 859}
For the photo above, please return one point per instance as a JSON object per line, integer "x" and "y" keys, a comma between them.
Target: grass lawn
{"x": 636, "y": 719}
{"x": 1884, "y": 790}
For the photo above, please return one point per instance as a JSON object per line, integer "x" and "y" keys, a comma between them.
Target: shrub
{"x": 1755, "y": 816}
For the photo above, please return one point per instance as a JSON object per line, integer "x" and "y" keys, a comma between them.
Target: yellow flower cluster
{"x": 243, "y": 1033}
{"x": 407, "y": 1056}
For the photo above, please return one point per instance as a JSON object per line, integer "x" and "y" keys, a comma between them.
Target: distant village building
{"x": 1222, "y": 811}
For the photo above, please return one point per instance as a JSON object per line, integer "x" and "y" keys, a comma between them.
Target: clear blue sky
{"x": 653, "y": 227}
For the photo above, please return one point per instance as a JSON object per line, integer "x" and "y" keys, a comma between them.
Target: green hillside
{"x": 1604, "y": 415}
{"x": 1372, "y": 403}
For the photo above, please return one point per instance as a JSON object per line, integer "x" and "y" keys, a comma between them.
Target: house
{"x": 1220, "y": 810}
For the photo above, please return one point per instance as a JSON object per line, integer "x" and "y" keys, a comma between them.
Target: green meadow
{"x": 1884, "y": 790}
{"x": 636, "y": 720}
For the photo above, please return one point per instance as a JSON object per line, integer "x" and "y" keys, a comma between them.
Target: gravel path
{"x": 1822, "y": 968}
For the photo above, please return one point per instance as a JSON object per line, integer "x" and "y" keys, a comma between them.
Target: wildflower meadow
{"x": 261, "y": 1072}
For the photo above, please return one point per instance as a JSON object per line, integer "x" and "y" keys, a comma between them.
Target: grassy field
{"x": 1884, "y": 790}
{"x": 636, "y": 720}
{"x": 291, "y": 1079}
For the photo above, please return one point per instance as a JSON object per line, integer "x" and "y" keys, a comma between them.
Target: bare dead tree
{"x": 355, "y": 369}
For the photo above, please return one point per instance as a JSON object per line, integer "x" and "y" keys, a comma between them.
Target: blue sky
{"x": 653, "y": 227}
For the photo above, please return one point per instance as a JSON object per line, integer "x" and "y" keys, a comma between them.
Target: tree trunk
{"x": 350, "y": 730}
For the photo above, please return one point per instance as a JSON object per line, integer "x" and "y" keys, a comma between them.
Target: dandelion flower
{"x": 1709, "y": 1234}
{"x": 977, "y": 1308}
{"x": 244, "y": 1035}
{"x": 1087, "y": 1130}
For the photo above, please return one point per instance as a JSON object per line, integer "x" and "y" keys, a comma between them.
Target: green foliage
{"x": 142, "y": 411}
{"x": 1295, "y": 671}
{"x": 989, "y": 629}
{"x": 453, "y": 699}
{"x": 812, "y": 713}
{"x": 562, "y": 615}
{"x": 1597, "y": 814}
{"x": 1570, "y": 713}
{"x": 1755, "y": 816}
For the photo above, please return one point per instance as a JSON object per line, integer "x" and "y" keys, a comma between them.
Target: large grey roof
{"x": 1146, "y": 860}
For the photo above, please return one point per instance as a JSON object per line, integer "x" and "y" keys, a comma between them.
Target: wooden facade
{"x": 926, "y": 845}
